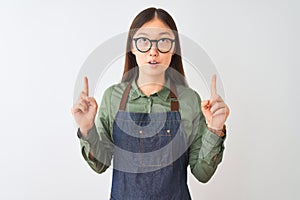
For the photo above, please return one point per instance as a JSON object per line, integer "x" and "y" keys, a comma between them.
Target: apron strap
{"x": 172, "y": 95}
{"x": 125, "y": 96}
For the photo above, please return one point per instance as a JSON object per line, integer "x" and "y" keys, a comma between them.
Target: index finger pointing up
{"x": 86, "y": 86}
{"x": 213, "y": 85}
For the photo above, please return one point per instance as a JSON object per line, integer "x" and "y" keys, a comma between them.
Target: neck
{"x": 150, "y": 84}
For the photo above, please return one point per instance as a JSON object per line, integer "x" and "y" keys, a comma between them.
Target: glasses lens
{"x": 143, "y": 44}
{"x": 164, "y": 45}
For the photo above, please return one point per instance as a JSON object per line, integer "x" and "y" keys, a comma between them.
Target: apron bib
{"x": 150, "y": 154}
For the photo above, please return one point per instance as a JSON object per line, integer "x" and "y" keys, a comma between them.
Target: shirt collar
{"x": 136, "y": 93}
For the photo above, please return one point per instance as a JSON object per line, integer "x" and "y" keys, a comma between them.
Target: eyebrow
{"x": 165, "y": 33}
{"x": 162, "y": 33}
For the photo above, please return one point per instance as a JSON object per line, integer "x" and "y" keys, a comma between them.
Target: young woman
{"x": 152, "y": 124}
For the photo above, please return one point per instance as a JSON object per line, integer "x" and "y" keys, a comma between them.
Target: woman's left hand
{"x": 215, "y": 110}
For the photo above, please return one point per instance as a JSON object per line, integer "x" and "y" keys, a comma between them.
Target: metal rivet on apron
{"x": 168, "y": 131}
{"x": 141, "y": 131}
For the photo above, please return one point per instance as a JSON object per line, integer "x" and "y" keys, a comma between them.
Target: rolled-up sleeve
{"x": 98, "y": 139}
{"x": 206, "y": 149}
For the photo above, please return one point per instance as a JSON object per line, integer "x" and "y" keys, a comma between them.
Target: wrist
{"x": 221, "y": 132}
{"x": 84, "y": 130}
{"x": 215, "y": 128}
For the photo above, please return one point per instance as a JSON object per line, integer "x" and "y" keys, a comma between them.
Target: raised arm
{"x": 206, "y": 150}
{"x": 96, "y": 144}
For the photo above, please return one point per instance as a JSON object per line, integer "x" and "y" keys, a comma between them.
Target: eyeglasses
{"x": 163, "y": 45}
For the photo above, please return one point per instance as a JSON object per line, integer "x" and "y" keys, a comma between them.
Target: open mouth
{"x": 153, "y": 63}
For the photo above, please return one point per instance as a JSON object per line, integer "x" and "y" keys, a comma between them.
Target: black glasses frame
{"x": 151, "y": 43}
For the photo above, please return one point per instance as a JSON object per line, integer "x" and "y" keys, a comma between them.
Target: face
{"x": 153, "y": 46}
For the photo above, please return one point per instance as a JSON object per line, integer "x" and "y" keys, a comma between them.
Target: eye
{"x": 164, "y": 40}
{"x": 143, "y": 41}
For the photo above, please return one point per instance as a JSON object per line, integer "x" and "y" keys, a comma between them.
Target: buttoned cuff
{"x": 87, "y": 142}
{"x": 212, "y": 146}
{"x": 92, "y": 135}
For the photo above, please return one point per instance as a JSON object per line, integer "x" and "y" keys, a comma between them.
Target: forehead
{"x": 155, "y": 28}
{"x": 154, "y": 32}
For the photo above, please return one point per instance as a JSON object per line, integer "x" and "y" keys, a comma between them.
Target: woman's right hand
{"x": 85, "y": 109}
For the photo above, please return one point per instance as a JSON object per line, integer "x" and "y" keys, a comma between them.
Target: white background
{"x": 254, "y": 45}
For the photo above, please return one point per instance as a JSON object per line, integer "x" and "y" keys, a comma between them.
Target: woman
{"x": 152, "y": 124}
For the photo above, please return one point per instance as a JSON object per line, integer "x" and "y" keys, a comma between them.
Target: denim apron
{"x": 150, "y": 154}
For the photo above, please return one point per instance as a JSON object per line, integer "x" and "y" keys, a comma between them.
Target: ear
{"x": 174, "y": 50}
{"x": 133, "y": 50}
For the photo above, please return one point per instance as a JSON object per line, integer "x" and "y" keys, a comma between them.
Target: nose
{"x": 153, "y": 51}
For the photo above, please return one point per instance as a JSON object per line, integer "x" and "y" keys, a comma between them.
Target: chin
{"x": 153, "y": 70}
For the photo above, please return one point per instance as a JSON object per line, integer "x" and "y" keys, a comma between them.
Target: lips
{"x": 153, "y": 62}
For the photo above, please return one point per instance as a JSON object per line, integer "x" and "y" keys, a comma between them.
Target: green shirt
{"x": 205, "y": 150}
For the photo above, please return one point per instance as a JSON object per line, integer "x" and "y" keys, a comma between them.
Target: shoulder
{"x": 186, "y": 93}
{"x": 189, "y": 100}
{"x": 113, "y": 94}
{"x": 115, "y": 90}
{"x": 111, "y": 98}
